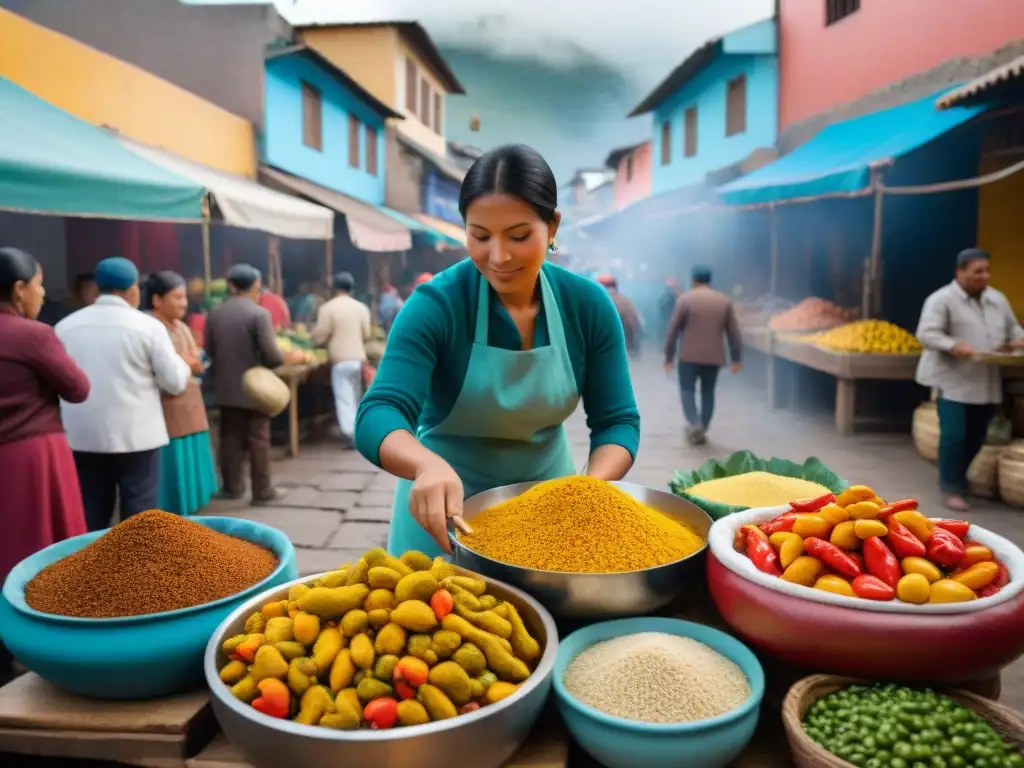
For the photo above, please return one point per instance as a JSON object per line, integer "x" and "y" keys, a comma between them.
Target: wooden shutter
{"x": 354, "y": 127}
{"x": 371, "y": 150}
{"x": 312, "y": 117}
{"x": 666, "y": 143}
{"x": 411, "y": 82}
{"x": 437, "y": 114}
{"x": 425, "y": 101}
{"x": 690, "y": 132}
{"x": 736, "y": 106}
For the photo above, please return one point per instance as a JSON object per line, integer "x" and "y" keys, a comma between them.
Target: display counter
{"x": 295, "y": 376}
{"x": 847, "y": 369}
{"x": 39, "y": 719}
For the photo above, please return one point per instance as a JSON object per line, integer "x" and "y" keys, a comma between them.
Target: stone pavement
{"x": 339, "y": 505}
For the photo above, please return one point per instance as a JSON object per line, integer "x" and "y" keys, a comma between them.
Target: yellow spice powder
{"x": 579, "y": 525}
{"x": 756, "y": 489}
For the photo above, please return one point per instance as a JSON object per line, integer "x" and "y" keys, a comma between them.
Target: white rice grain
{"x": 654, "y": 677}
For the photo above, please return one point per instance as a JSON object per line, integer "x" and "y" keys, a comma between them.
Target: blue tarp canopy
{"x": 433, "y": 236}
{"x": 838, "y": 160}
{"x": 53, "y": 163}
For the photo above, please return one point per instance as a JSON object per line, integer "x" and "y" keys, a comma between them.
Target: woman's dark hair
{"x": 160, "y": 284}
{"x": 515, "y": 170}
{"x": 16, "y": 266}
{"x": 242, "y": 277}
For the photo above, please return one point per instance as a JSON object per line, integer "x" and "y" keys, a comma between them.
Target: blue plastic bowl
{"x": 137, "y": 657}
{"x": 620, "y": 743}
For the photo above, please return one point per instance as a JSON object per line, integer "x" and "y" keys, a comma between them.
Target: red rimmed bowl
{"x": 826, "y": 633}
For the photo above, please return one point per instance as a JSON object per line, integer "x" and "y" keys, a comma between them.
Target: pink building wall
{"x": 883, "y": 42}
{"x": 633, "y": 183}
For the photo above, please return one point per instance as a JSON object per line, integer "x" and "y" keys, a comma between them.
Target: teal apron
{"x": 506, "y": 425}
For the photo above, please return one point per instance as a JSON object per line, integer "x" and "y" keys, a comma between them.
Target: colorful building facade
{"x": 715, "y": 108}
{"x": 632, "y": 167}
{"x": 319, "y": 124}
{"x": 833, "y": 52}
{"x": 105, "y": 91}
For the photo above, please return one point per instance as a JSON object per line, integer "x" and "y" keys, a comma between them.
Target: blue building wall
{"x": 281, "y": 143}
{"x": 707, "y": 92}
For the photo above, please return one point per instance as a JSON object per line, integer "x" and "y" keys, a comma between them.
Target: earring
{"x": 553, "y": 246}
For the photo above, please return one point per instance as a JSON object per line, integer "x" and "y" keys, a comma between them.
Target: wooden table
{"x": 180, "y": 732}
{"x": 847, "y": 369}
{"x": 294, "y": 376}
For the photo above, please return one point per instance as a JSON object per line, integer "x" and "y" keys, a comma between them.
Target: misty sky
{"x": 645, "y": 39}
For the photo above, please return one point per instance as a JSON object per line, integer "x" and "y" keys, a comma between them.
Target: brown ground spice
{"x": 150, "y": 563}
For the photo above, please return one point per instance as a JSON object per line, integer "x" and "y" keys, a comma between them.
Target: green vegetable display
{"x": 889, "y": 726}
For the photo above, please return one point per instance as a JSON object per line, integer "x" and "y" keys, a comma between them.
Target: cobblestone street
{"x": 338, "y": 505}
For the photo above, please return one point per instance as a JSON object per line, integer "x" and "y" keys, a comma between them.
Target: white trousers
{"x": 347, "y": 383}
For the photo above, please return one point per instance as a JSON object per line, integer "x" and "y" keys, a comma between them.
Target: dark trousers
{"x": 245, "y": 434}
{"x": 963, "y": 428}
{"x": 690, "y": 374}
{"x": 132, "y": 478}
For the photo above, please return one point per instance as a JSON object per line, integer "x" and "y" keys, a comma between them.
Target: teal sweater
{"x": 429, "y": 345}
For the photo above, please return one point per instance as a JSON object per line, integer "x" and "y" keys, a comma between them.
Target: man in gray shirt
{"x": 706, "y": 319}
{"x": 959, "y": 321}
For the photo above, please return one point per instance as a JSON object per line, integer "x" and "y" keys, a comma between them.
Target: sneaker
{"x": 955, "y": 502}
{"x": 274, "y": 494}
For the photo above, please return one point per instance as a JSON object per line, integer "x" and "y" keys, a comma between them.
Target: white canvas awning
{"x": 244, "y": 203}
{"x": 369, "y": 228}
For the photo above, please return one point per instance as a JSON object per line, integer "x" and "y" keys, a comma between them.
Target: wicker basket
{"x": 983, "y": 474}
{"x": 1011, "y": 477}
{"x": 807, "y": 754}
{"x": 265, "y": 390}
{"x": 926, "y": 431}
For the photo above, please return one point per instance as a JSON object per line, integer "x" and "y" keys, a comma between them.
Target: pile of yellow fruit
{"x": 380, "y": 643}
{"x": 868, "y": 337}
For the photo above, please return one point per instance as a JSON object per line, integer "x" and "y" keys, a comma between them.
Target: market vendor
{"x": 488, "y": 359}
{"x": 959, "y": 321}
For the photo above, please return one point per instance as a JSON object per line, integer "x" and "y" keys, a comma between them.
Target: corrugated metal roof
{"x": 1009, "y": 71}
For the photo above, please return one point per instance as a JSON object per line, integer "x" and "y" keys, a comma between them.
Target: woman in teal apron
{"x": 487, "y": 360}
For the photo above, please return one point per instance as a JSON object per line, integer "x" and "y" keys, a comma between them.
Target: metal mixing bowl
{"x": 594, "y": 596}
{"x": 486, "y": 738}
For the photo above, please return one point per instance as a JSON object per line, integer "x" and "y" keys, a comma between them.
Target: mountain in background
{"x": 569, "y": 105}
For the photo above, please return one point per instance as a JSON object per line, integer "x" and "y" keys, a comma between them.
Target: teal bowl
{"x": 137, "y": 657}
{"x": 619, "y": 743}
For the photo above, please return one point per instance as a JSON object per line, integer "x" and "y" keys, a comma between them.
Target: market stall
{"x": 514, "y": 652}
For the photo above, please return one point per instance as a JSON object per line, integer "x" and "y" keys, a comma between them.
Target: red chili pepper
{"x": 763, "y": 556}
{"x": 812, "y": 505}
{"x": 988, "y": 591}
{"x": 780, "y": 524}
{"x": 744, "y": 534}
{"x": 881, "y": 562}
{"x": 832, "y": 556}
{"x": 958, "y": 528}
{"x": 872, "y": 588}
{"x": 897, "y": 506}
{"x": 902, "y": 542}
{"x": 945, "y": 549}
{"x": 856, "y": 557}
{"x": 1002, "y": 576}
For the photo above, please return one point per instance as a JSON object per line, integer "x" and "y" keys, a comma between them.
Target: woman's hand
{"x": 436, "y": 496}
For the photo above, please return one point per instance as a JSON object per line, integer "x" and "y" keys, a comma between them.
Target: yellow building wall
{"x": 1001, "y": 232}
{"x": 108, "y": 92}
{"x": 366, "y": 54}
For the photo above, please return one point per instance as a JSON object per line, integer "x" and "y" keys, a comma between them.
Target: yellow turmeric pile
{"x": 579, "y": 525}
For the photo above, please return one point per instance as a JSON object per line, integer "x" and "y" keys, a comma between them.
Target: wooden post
{"x": 329, "y": 260}
{"x": 871, "y": 304}
{"x": 773, "y": 282}
{"x": 207, "y": 262}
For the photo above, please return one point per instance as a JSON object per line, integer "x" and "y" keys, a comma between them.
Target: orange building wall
{"x": 638, "y": 186}
{"x": 108, "y": 92}
{"x": 885, "y": 41}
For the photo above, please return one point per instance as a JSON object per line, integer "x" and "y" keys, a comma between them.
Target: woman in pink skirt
{"x": 41, "y": 501}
